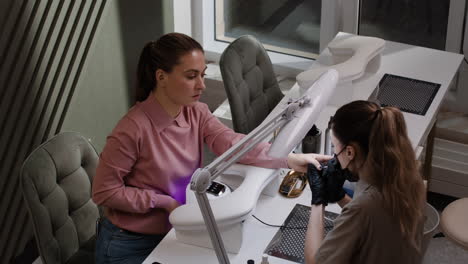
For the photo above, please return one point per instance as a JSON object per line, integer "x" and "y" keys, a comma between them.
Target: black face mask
{"x": 333, "y": 170}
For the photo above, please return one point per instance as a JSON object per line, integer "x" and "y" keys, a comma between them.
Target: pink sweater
{"x": 149, "y": 159}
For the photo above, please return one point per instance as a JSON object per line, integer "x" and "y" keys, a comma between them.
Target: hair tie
{"x": 376, "y": 113}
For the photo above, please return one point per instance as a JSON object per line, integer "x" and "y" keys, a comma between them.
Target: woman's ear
{"x": 350, "y": 152}
{"x": 160, "y": 76}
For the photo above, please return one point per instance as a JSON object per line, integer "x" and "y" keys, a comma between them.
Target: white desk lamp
{"x": 295, "y": 117}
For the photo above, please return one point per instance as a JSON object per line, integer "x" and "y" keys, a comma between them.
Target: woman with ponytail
{"x": 151, "y": 154}
{"x": 383, "y": 223}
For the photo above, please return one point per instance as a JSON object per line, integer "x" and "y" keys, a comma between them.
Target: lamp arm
{"x": 237, "y": 154}
{"x": 226, "y": 159}
{"x": 202, "y": 177}
{"x": 212, "y": 227}
{"x": 234, "y": 153}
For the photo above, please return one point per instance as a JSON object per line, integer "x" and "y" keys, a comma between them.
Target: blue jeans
{"x": 116, "y": 245}
{"x": 349, "y": 192}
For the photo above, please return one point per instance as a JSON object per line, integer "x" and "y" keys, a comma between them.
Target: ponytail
{"x": 146, "y": 73}
{"x": 162, "y": 54}
{"x": 392, "y": 164}
{"x": 388, "y": 157}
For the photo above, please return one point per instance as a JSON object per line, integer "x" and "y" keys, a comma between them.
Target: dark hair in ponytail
{"x": 389, "y": 158}
{"x": 162, "y": 54}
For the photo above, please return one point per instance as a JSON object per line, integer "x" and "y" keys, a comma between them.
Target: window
{"x": 294, "y": 31}
{"x": 436, "y": 24}
{"x": 284, "y": 26}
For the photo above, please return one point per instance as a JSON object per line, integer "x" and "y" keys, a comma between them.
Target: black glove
{"x": 317, "y": 184}
{"x": 335, "y": 179}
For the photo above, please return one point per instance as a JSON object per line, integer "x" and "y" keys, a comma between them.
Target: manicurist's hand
{"x": 298, "y": 162}
{"x": 335, "y": 180}
{"x": 318, "y": 185}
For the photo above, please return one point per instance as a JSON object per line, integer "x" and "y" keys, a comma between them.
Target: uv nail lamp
{"x": 229, "y": 210}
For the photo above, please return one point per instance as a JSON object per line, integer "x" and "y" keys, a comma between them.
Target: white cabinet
{"x": 449, "y": 168}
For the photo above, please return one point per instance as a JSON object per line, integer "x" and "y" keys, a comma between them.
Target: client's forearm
{"x": 314, "y": 235}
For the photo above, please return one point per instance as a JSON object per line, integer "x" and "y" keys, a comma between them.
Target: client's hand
{"x": 173, "y": 205}
{"x": 335, "y": 181}
{"x": 317, "y": 184}
{"x": 298, "y": 162}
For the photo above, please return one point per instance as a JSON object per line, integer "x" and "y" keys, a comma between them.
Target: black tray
{"x": 288, "y": 242}
{"x": 409, "y": 95}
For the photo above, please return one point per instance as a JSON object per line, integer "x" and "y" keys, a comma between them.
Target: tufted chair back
{"x": 250, "y": 83}
{"x": 56, "y": 183}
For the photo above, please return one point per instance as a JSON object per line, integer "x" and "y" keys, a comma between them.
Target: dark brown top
{"x": 365, "y": 233}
